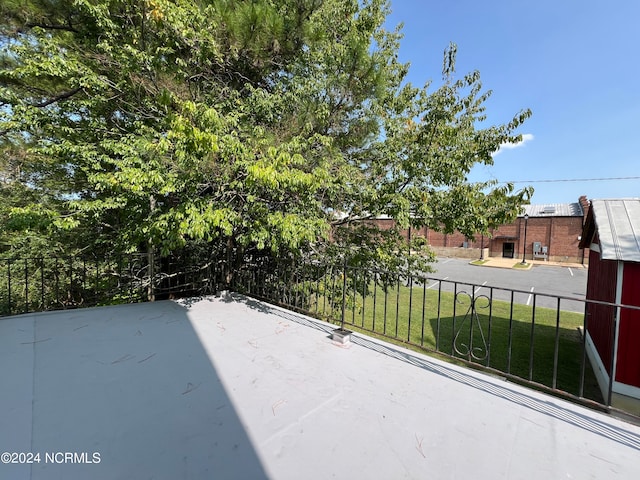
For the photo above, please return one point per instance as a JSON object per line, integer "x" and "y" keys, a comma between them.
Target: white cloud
{"x": 526, "y": 137}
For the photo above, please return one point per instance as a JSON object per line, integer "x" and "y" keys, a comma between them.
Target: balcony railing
{"x": 57, "y": 283}
{"x": 532, "y": 338}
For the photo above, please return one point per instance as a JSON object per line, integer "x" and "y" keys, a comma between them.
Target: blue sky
{"x": 573, "y": 63}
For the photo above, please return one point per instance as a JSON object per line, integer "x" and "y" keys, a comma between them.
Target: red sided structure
{"x": 612, "y": 234}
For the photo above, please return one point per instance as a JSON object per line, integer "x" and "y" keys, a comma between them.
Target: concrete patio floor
{"x": 225, "y": 388}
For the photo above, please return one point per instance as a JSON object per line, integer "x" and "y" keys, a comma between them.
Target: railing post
{"x": 353, "y": 306}
{"x": 532, "y": 338}
{"x": 57, "y": 274}
{"x": 410, "y": 307}
{"x": 453, "y": 328}
{"x": 490, "y": 327}
{"x": 365, "y": 287}
{"x": 375, "y": 299}
{"x": 150, "y": 243}
{"x": 439, "y": 316}
{"x": 397, "y": 305}
{"x": 9, "y": 285}
{"x": 386, "y": 301}
{"x": 510, "y": 336}
{"x": 317, "y": 292}
{"x": 70, "y": 289}
{"x": 583, "y": 361}
{"x": 473, "y": 313}
{"x": 26, "y": 286}
{"x": 344, "y": 289}
{"x": 556, "y": 347}
{"x": 151, "y": 294}
{"x": 424, "y": 301}
{"x": 42, "y": 300}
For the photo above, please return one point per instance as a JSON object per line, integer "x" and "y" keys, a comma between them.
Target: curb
{"x": 507, "y": 267}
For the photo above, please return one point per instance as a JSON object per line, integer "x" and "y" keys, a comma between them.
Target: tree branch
{"x": 67, "y": 28}
{"x": 57, "y": 98}
{"x": 347, "y": 220}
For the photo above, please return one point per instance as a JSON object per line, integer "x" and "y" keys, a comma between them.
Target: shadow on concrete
{"x": 130, "y": 383}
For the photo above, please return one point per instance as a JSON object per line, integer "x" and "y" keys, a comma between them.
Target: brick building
{"x": 553, "y": 233}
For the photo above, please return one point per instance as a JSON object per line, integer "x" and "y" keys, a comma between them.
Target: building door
{"x": 508, "y": 249}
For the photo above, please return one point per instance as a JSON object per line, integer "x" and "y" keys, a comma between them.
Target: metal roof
{"x": 553, "y": 210}
{"x": 618, "y": 224}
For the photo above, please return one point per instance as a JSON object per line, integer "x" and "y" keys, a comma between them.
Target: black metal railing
{"x": 56, "y": 283}
{"x": 532, "y": 338}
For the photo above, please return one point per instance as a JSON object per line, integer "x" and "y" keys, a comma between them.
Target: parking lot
{"x": 535, "y": 284}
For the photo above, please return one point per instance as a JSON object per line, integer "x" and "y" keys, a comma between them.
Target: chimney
{"x": 584, "y": 203}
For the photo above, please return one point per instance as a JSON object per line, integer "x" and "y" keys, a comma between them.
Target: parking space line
{"x": 530, "y": 296}
{"x": 570, "y": 271}
{"x": 476, "y": 290}
{"x": 436, "y": 283}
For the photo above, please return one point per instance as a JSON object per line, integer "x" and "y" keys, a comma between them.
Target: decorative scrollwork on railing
{"x": 471, "y": 326}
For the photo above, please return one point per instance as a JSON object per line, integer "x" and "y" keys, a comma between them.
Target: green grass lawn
{"x": 523, "y": 266}
{"x": 494, "y": 336}
{"x": 479, "y": 262}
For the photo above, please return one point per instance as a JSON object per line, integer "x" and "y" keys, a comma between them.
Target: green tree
{"x": 266, "y": 127}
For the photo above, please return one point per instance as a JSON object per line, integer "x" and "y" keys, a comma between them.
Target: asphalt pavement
{"x": 540, "y": 283}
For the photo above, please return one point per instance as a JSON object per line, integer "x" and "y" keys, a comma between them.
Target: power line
{"x": 573, "y": 180}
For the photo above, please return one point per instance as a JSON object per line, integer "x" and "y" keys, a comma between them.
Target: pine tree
{"x": 270, "y": 127}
